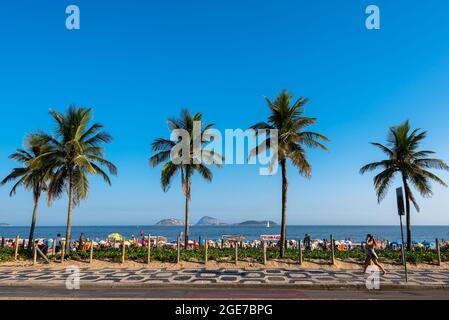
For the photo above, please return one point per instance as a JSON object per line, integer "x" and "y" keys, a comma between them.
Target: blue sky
{"x": 139, "y": 62}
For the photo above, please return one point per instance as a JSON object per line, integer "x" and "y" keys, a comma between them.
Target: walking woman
{"x": 371, "y": 254}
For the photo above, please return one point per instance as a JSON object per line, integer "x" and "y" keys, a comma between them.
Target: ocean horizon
{"x": 356, "y": 233}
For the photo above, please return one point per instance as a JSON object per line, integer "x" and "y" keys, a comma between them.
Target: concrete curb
{"x": 104, "y": 284}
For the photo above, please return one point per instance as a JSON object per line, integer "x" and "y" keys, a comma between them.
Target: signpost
{"x": 401, "y": 212}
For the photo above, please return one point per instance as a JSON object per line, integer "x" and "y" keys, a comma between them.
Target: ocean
{"x": 356, "y": 233}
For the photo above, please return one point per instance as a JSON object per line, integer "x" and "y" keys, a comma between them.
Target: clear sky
{"x": 139, "y": 62}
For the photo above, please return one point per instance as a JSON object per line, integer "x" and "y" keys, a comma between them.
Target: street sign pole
{"x": 401, "y": 212}
{"x": 403, "y": 250}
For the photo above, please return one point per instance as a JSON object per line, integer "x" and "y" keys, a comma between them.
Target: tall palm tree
{"x": 30, "y": 176}
{"x": 410, "y": 163}
{"x": 76, "y": 152}
{"x": 163, "y": 149}
{"x": 291, "y": 124}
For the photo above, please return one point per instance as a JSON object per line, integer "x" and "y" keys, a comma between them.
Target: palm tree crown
{"x": 405, "y": 157}
{"x": 291, "y": 123}
{"x": 76, "y": 153}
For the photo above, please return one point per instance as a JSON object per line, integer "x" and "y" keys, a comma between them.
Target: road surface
{"x": 42, "y": 292}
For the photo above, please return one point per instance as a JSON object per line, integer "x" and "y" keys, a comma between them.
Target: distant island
{"x": 5, "y": 225}
{"x": 254, "y": 223}
{"x": 170, "y": 222}
{"x": 209, "y": 221}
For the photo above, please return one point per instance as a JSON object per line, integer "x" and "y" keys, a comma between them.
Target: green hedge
{"x": 7, "y": 254}
{"x": 139, "y": 254}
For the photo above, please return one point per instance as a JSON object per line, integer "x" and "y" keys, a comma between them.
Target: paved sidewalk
{"x": 302, "y": 278}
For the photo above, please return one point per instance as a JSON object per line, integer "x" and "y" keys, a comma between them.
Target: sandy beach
{"x": 272, "y": 264}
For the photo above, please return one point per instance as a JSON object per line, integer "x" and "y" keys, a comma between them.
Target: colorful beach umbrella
{"x": 115, "y": 236}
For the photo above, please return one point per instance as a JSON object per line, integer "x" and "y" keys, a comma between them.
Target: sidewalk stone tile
{"x": 182, "y": 278}
{"x": 228, "y": 278}
{"x": 222, "y": 276}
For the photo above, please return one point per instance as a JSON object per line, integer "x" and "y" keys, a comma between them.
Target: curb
{"x": 358, "y": 287}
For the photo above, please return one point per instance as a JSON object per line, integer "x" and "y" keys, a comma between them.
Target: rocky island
{"x": 170, "y": 222}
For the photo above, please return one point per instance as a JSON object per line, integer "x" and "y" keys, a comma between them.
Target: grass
{"x": 139, "y": 254}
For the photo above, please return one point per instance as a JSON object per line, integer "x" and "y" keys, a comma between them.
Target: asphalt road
{"x": 213, "y": 293}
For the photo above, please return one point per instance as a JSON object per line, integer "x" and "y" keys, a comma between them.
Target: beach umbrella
{"x": 115, "y": 236}
{"x": 427, "y": 243}
{"x": 415, "y": 242}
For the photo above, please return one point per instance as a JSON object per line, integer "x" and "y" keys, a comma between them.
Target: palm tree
{"x": 163, "y": 149}
{"x": 76, "y": 152}
{"x": 29, "y": 176}
{"x": 405, "y": 158}
{"x": 291, "y": 124}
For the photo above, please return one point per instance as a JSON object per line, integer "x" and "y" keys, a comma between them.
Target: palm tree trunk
{"x": 284, "y": 206}
{"x": 33, "y": 224}
{"x": 187, "y": 212}
{"x": 407, "y": 214}
{"x": 68, "y": 234}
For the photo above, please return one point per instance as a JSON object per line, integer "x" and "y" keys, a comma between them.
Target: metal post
{"x": 300, "y": 252}
{"x": 404, "y": 259}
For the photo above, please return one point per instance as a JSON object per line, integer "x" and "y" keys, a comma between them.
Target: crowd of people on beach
{"x": 115, "y": 240}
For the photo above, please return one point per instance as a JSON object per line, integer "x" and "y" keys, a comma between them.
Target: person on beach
{"x": 307, "y": 242}
{"x": 81, "y": 241}
{"x": 58, "y": 242}
{"x": 371, "y": 255}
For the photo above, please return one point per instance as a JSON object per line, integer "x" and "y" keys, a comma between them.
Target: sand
{"x": 272, "y": 264}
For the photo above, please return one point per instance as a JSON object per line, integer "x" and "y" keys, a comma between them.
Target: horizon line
{"x": 229, "y": 225}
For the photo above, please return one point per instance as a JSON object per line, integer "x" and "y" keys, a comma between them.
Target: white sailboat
{"x": 268, "y": 224}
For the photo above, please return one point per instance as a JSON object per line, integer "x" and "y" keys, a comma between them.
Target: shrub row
{"x": 139, "y": 254}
